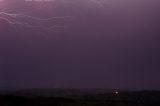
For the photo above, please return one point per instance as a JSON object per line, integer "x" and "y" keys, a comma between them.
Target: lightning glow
{"x": 17, "y": 19}
{"x": 32, "y": 22}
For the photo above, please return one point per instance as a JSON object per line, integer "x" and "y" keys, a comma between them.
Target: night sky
{"x": 103, "y": 44}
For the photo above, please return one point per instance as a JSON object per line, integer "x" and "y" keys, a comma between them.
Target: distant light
{"x": 115, "y": 92}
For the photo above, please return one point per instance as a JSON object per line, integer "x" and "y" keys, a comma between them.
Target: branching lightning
{"x": 23, "y": 20}
{"x": 26, "y": 20}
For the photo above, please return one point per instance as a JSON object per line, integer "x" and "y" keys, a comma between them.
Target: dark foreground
{"x": 143, "y": 98}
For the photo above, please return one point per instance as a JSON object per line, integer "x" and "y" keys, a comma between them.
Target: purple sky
{"x": 105, "y": 44}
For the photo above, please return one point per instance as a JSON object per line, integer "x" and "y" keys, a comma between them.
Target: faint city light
{"x": 115, "y": 92}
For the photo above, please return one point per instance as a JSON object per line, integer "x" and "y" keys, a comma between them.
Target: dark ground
{"x": 136, "y": 98}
